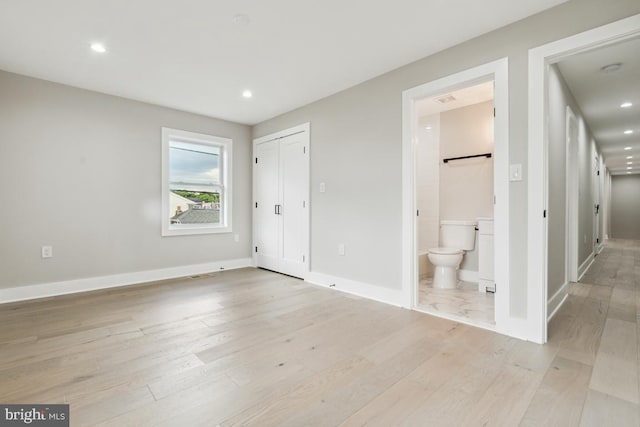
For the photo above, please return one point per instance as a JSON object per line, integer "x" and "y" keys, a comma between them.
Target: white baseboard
{"x": 556, "y": 301}
{"x": 585, "y": 265}
{"x": 468, "y": 276}
{"x": 365, "y": 290}
{"x": 599, "y": 248}
{"x": 43, "y": 290}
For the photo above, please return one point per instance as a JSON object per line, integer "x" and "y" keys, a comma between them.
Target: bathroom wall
{"x": 427, "y": 181}
{"x": 466, "y": 186}
{"x": 427, "y": 187}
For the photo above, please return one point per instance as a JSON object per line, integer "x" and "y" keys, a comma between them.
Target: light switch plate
{"x": 515, "y": 172}
{"x": 322, "y": 187}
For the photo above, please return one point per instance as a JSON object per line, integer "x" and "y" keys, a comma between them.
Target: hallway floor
{"x": 596, "y": 334}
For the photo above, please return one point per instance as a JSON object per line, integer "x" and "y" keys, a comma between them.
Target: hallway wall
{"x": 559, "y": 97}
{"x": 625, "y": 207}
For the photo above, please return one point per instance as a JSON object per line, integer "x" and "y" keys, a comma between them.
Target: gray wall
{"x": 356, "y": 146}
{"x": 559, "y": 97}
{"x": 81, "y": 171}
{"x": 625, "y": 207}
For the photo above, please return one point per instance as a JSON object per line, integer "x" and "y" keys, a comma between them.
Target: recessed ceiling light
{"x": 611, "y": 68}
{"x": 98, "y": 47}
{"x": 428, "y": 127}
{"x": 247, "y": 94}
{"x": 629, "y": 163}
{"x": 628, "y": 132}
{"x": 629, "y": 167}
{"x": 627, "y": 148}
{"x": 629, "y": 157}
{"x": 626, "y": 105}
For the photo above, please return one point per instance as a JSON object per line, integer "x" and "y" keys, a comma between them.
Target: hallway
{"x": 596, "y": 335}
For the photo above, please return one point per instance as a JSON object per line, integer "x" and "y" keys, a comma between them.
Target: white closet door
{"x": 293, "y": 182}
{"x": 267, "y": 222}
{"x": 281, "y": 191}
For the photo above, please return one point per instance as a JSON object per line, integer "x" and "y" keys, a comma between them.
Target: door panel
{"x": 267, "y": 221}
{"x": 292, "y": 158}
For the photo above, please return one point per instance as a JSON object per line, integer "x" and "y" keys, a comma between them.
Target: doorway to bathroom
{"x": 456, "y": 201}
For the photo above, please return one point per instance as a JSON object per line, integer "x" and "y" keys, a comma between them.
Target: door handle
{"x": 277, "y": 209}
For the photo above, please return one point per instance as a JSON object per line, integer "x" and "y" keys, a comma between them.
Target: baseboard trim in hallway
{"x": 585, "y": 265}
{"x": 557, "y": 300}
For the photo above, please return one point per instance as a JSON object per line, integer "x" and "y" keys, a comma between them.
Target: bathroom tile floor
{"x": 464, "y": 302}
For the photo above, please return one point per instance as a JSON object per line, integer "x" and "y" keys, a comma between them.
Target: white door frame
{"x": 540, "y": 58}
{"x": 596, "y": 199}
{"x": 498, "y": 71}
{"x": 571, "y": 207}
{"x": 306, "y": 129}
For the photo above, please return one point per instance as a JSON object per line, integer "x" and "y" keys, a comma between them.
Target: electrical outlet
{"x": 341, "y": 249}
{"x": 585, "y": 238}
{"x": 323, "y": 187}
{"x": 236, "y": 238}
{"x": 47, "y": 252}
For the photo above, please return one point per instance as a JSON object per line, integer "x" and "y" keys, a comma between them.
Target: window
{"x": 196, "y": 183}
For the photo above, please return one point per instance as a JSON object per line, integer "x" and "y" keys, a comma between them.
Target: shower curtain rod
{"x": 487, "y": 155}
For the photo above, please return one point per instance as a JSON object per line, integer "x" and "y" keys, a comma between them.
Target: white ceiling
{"x": 600, "y": 95}
{"x": 190, "y": 55}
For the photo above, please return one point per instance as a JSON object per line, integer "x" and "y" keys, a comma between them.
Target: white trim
{"x": 585, "y": 265}
{"x": 571, "y": 199}
{"x": 44, "y": 290}
{"x": 225, "y": 165}
{"x": 557, "y": 300}
{"x": 498, "y": 71}
{"x": 468, "y": 276}
{"x": 600, "y": 246}
{"x": 539, "y": 60}
{"x": 365, "y": 290}
{"x": 302, "y": 128}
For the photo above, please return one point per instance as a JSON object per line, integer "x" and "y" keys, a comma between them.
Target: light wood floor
{"x": 250, "y": 347}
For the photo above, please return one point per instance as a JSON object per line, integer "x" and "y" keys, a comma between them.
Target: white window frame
{"x": 225, "y": 146}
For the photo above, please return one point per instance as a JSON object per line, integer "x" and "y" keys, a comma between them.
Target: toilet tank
{"x": 458, "y": 234}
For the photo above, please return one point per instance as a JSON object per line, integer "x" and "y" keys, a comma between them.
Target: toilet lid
{"x": 445, "y": 251}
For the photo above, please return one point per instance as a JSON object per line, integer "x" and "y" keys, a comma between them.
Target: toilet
{"x": 455, "y": 238}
